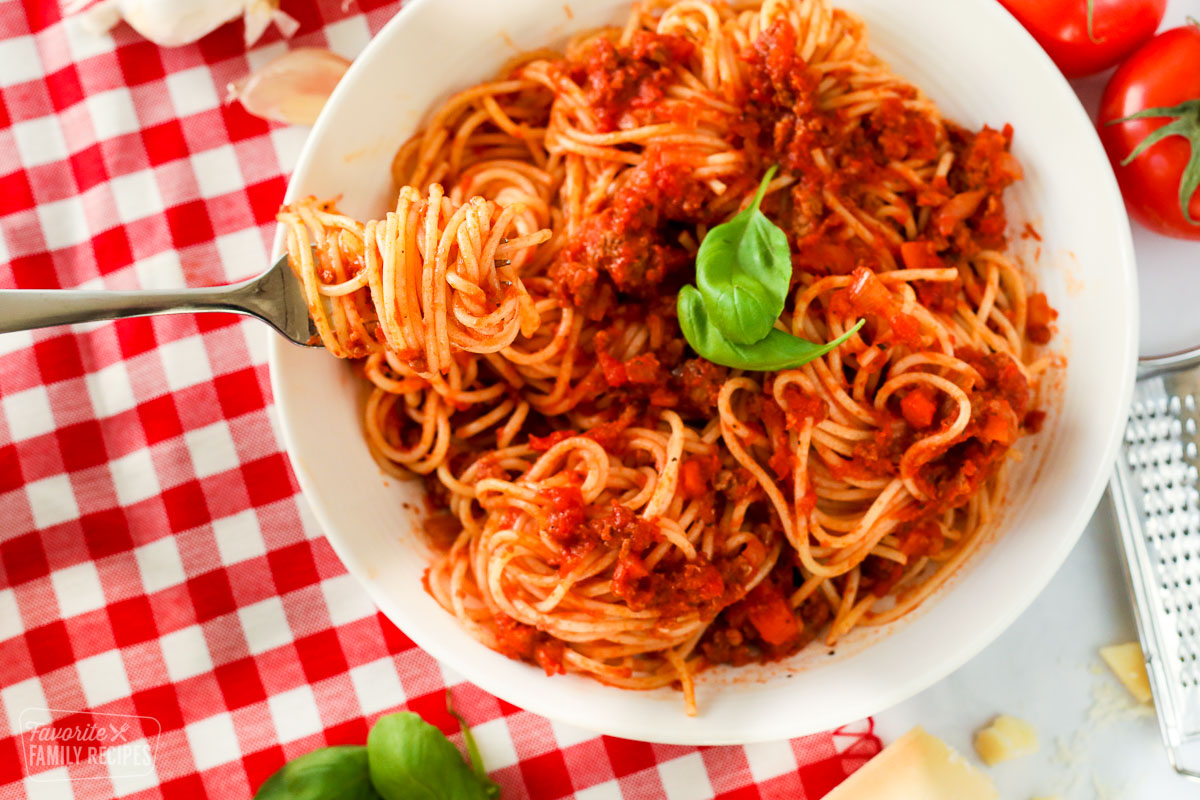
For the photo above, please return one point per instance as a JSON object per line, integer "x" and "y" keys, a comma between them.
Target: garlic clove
{"x": 286, "y": 23}
{"x": 97, "y": 20}
{"x": 256, "y": 19}
{"x": 293, "y": 87}
{"x": 260, "y": 14}
{"x": 170, "y": 23}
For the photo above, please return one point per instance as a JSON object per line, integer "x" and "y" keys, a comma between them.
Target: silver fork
{"x": 275, "y": 297}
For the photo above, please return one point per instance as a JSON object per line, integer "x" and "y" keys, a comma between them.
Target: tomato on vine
{"x": 1088, "y": 36}
{"x": 1150, "y": 126}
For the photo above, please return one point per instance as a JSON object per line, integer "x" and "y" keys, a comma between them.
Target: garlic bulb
{"x": 293, "y": 87}
{"x": 170, "y": 23}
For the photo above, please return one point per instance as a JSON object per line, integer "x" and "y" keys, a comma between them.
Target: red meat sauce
{"x": 763, "y": 626}
{"x": 623, "y": 85}
{"x": 673, "y": 588}
{"x": 627, "y": 262}
{"x": 1000, "y": 414}
{"x": 633, "y": 242}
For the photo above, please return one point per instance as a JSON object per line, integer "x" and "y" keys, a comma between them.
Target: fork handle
{"x": 25, "y": 309}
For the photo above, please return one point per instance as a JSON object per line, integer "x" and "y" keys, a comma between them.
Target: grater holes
{"x": 1162, "y": 456}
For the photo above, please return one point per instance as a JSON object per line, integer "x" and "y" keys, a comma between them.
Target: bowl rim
{"x": 970, "y": 643}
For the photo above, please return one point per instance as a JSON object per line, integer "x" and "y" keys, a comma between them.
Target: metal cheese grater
{"x": 1156, "y": 494}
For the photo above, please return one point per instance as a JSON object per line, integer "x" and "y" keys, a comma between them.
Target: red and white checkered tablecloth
{"x": 161, "y": 581}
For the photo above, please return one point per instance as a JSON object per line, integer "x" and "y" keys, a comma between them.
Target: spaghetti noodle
{"x": 609, "y": 503}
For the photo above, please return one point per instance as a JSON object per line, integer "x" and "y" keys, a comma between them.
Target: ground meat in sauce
{"x": 634, "y": 241}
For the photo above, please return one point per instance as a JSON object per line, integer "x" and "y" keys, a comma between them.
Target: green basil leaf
{"x": 411, "y": 760}
{"x": 331, "y": 773}
{"x": 777, "y": 350}
{"x": 472, "y": 748}
{"x": 743, "y": 271}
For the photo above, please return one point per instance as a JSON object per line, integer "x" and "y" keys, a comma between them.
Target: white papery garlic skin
{"x": 293, "y": 87}
{"x": 171, "y": 23}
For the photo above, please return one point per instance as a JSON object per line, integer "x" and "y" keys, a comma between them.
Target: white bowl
{"x": 981, "y": 67}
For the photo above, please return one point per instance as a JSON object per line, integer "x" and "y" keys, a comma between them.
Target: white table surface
{"x": 1046, "y": 668}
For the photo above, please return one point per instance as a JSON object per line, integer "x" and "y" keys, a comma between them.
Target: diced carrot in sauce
{"x": 629, "y": 571}
{"x": 867, "y": 294}
{"x": 770, "y": 614}
{"x": 691, "y": 479}
{"x": 920, "y": 255}
{"x": 957, "y": 210}
{"x": 905, "y": 329}
{"x": 614, "y": 370}
{"x": 1039, "y": 315}
{"x": 918, "y": 408}
{"x": 998, "y": 428}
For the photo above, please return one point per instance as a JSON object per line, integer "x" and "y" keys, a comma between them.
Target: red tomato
{"x": 1061, "y": 28}
{"x": 1159, "y": 181}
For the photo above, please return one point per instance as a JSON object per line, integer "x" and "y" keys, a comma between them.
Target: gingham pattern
{"x": 155, "y": 559}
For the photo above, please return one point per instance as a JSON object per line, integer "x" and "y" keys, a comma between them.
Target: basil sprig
{"x": 777, "y": 350}
{"x": 411, "y": 759}
{"x": 331, "y": 772}
{"x": 743, "y": 273}
{"x": 405, "y": 758}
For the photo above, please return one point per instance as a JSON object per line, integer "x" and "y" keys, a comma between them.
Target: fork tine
{"x": 277, "y": 297}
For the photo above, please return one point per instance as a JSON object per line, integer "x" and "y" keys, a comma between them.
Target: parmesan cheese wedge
{"x": 1129, "y": 665}
{"x": 917, "y": 766}
{"x": 1005, "y": 738}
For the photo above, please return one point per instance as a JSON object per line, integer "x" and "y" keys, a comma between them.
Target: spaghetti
{"x": 609, "y": 503}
